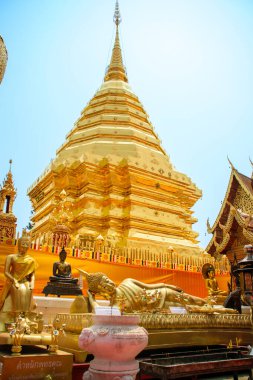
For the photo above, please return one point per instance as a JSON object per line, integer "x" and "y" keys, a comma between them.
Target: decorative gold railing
{"x": 144, "y": 258}
{"x": 74, "y": 323}
{"x": 181, "y": 321}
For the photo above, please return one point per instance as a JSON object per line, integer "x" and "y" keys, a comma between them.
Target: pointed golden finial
{"x": 230, "y": 163}
{"x": 116, "y": 69}
{"x": 8, "y": 182}
{"x": 117, "y": 16}
{"x": 252, "y": 167}
{"x": 209, "y": 228}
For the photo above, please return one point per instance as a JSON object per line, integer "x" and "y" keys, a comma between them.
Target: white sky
{"x": 189, "y": 61}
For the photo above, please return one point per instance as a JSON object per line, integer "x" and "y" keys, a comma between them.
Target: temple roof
{"x": 232, "y": 212}
{"x": 235, "y": 178}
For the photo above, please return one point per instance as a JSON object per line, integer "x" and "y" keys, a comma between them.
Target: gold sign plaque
{"x": 37, "y": 365}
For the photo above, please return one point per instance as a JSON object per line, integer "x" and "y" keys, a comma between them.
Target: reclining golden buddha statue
{"x": 132, "y": 295}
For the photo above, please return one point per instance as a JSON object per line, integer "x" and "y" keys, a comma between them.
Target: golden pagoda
{"x": 233, "y": 227}
{"x": 116, "y": 175}
{"x": 7, "y": 218}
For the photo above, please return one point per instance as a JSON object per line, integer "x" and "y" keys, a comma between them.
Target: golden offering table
{"x": 35, "y": 363}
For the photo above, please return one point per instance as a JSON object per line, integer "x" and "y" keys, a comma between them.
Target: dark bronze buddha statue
{"x": 62, "y": 282}
{"x": 62, "y": 269}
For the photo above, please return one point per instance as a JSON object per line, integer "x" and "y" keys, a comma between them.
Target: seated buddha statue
{"x": 62, "y": 282}
{"x": 62, "y": 269}
{"x": 214, "y": 292}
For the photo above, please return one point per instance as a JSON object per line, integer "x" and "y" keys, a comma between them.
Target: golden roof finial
{"x": 209, "y": 228}
{"x": 252, "y": 167}
{"x": 116, "y": 69}
{"x": 230, "y": 163}
{"x": 10, "y": 162}
{"x": 117, "y": 15}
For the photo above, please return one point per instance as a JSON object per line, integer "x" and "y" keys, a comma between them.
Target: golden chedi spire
{"x": 116, "y": 69}
{"x": 116, "y": 173}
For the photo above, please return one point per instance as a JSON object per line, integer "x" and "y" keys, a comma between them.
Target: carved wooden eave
{"x": 230, "y": 222}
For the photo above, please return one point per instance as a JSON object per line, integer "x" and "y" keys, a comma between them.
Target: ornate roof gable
{"x": 236, "y": 210}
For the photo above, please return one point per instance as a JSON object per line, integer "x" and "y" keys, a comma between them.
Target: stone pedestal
{"x": 114, "y": 341}
{"x": 50, "y": 306}
{"x": 62, "y": 287}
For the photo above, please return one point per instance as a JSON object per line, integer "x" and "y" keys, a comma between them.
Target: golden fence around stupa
{"x": 144, "y": 258}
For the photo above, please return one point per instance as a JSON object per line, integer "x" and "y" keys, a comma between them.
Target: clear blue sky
{"x": 189, "y": 61}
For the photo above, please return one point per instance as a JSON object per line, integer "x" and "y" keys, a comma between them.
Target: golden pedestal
{"x": 35, "y": 363}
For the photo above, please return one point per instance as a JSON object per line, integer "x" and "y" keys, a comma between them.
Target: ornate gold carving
{"x": 56, "y": 330}
{"x": 7, "y": 231}
{"x": 7, "y": 198}
{"x": 40, "y": 196}
{"x": 7, "y": 194}
{"x": 224, "y": 243}
{"x": 244, "y": 220}
{"x": 248, "y": 235}
{"x": 226, "y": 228}
{"x": 17, "y": 331}
{"x": 181, "y": 321}
{"x": 76, "y": 322}
{"x": 62, "y": 217}
{"x": 243, "y": 201}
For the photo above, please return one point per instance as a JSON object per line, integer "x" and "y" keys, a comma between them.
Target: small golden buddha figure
{"x": 214, "y": 293}
{"x": 19, "y": 271}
